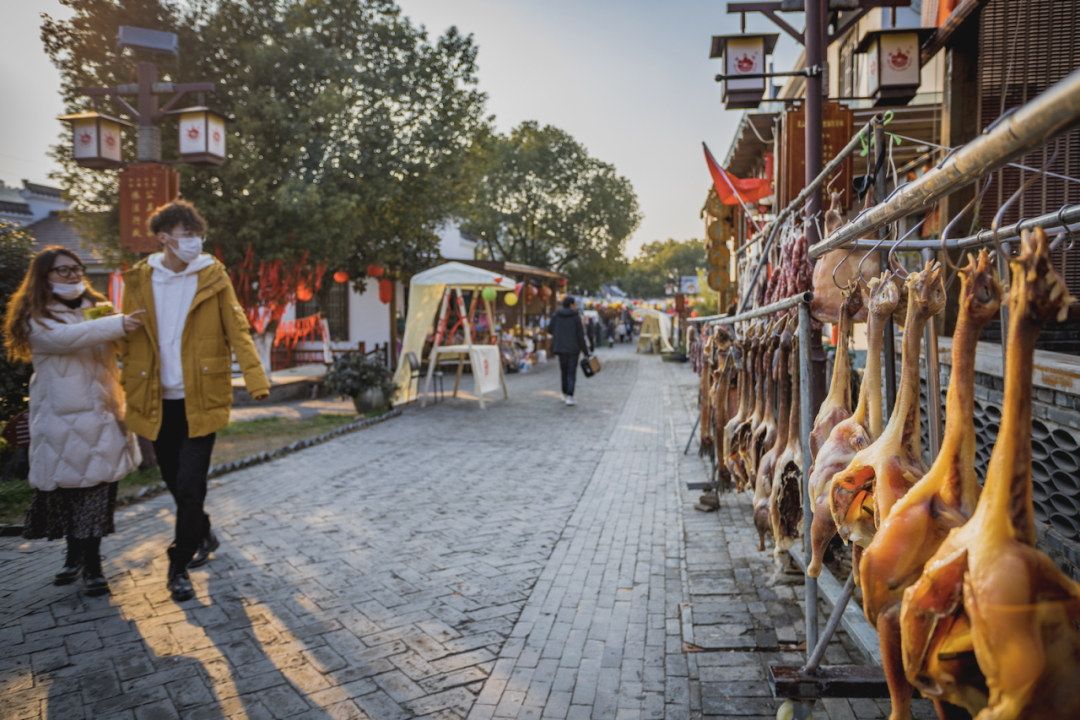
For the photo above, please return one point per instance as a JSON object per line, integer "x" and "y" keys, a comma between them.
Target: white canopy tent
{"x": 655, "y": 330}
{"x": 429, "y": 292}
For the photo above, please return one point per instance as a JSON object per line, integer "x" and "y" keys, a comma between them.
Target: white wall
{"x": 369, "y": 319}
{"x": 453, "y": 246}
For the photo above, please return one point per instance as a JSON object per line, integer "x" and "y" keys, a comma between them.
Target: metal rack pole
{"x": 806, "y": 423}
{"x": 1067, "y": 218}
{"x": 933, "y": 378}
{"x": 1047, "y": 117}
{"x": 889, "y": 361}
{"x": 802, "y": 298}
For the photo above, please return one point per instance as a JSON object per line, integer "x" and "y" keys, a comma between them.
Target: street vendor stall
{"x": 429, "y": 293}
{"x": 536, "y": 291}
{"x": 655, "y": 334}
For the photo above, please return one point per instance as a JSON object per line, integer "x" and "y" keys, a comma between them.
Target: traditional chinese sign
{"x": 744, "y": 54}
{"x": 894, "y": 71}
{"x": 143, "y": 188}
{"x": 837, "y": 129}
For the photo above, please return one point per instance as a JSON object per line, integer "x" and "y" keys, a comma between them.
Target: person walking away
{"x": 609, "y": 327}
{"x": 79, "y": 444}
{"x": 592, "y": 332}
{"x": 568, "y": 341}
{"x": 178, "y": 372}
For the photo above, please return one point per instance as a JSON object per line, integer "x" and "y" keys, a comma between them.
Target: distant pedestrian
{"x": 79, "y": 445}
{"x": 568, "y": 341}
{"x": 178, "y": 373}
{"x": 609, "y": 328}
{"x": 620, "y": 332}
{"x": 592, "y": 332}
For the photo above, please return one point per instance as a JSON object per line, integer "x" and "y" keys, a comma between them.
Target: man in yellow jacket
{"x": 177, "y": 371}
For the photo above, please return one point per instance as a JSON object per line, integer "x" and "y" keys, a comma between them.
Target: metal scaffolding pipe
{"x": 1049, "y": 222}
{"x": 801, "y": 299}
{"x": 1044, "y": 119}
{"x": 806, "y": 424}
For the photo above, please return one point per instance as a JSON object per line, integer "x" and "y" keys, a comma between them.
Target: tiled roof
{"x": 43, "y": 190}
{"x": 54, "y": 231}
{"x": 15, "y": 208}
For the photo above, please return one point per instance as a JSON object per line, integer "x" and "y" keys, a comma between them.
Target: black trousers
{"x": 184, "y": 463}
{"x": 568, "y": 366}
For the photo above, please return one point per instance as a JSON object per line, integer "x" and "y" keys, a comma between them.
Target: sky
{"x": 629, "y": 79}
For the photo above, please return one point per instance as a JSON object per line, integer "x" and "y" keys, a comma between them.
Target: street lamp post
{"x": 146, "y": 183}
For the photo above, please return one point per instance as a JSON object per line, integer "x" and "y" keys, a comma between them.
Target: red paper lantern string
{"x": 341, "y": 276}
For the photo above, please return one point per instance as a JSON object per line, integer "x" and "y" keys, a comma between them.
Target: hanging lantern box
{"x": 894, "y": 68}
{"x": 97, "y": 140}
{"x": 744, "y": 54}
{"x": 202, "y": 136}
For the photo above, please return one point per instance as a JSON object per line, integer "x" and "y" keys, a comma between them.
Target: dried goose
{"x": 862, "y": 494}
{"x": 837, "y": 404}
{"x": 987, "y": 589}
{"x": 743, "y": 357}
{"x": 785, "y": 503}
{"x": 764, "y": 434}
{"x": 856, "y": 432}
{"x": 828, "y": 297}
{"x": 767, "y": 464}
{"x": 942, "y": 500}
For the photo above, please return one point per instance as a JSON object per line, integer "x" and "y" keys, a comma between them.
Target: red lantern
{"x": 341, "y": 276}
{"x": 386, "y": 290}
{"x": 374, "y": 271}
{"x": 303, "y": 292}
{"x": 545, "y": 292}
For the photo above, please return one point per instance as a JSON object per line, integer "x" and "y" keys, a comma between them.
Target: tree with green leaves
{"x": 648, "y": 273}
{"x": 539, "y": 198}
{"x": 349, "y": 129}
{"x": 16, "y": 252}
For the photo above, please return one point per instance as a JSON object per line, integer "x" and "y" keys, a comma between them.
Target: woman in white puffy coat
{"x": 79, "y": 445}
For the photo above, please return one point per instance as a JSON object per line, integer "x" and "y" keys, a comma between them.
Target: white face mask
{"x": 188, "y": 247}
{"x": 68, "y": 291}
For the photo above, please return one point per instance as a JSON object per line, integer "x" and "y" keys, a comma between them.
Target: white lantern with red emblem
{"x": 97, "y": 140}
{"x": 202, "y": 136}
{"x": 744, "y": 54}
{"x": 894, "y": 68}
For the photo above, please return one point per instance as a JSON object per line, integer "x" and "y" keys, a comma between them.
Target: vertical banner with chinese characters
{"x": 143, "y": 187}
{"x": 837, "y": 129}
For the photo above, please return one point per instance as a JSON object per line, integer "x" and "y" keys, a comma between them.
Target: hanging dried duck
{"x": 785, "y": 503}
{"x": 943, "y": 499}
{"x": 767, "y": 465}
{"x": 988, "y": 590}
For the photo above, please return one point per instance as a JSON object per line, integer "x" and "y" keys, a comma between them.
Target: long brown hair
{"x": 31, "y": 301}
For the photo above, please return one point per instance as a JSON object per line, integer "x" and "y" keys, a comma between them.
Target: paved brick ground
{"x": 532, "y": 561}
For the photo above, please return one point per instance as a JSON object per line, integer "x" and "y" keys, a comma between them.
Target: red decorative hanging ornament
{"x": 341, "y": 276}
{"x": 545, "y": 292}
{"x": 303, "y": 292}
{"x": 375, "y": 271}
{"x": 386, "y": 290}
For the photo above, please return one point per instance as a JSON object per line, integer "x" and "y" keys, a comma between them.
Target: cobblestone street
{"x": 531, "y": 560}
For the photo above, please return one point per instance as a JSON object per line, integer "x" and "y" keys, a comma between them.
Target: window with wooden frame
{"x": 337, "y": 310}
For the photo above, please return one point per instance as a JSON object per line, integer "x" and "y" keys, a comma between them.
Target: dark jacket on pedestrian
{"x": 567, "y": 332}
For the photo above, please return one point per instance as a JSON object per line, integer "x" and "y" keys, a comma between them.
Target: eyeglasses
{"x": 66, "y": 271}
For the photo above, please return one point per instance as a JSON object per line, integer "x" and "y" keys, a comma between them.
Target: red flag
{"x": 732, "y": 190}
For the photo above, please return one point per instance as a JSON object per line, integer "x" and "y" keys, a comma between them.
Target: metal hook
{"x": 953, "y": 223}
{"x": 1066, "y": 232}
{"x": 996, "y": 225}
{"x": 898, "y": 269}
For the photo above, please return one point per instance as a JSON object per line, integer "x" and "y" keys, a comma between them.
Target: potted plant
{"x": 365, "y": 380}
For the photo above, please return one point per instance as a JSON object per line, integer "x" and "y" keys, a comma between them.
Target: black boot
{"x": 209, "y": 544}
{"x": 179, "y": 583}
{"x": 93, "y": 579}
{"x": 72, "y": 563}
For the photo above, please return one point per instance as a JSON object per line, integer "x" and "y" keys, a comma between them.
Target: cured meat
{"x": 745, "y": 435}
{"x": 988, "y": 589}
{"x": 837, "y": 405}
{"x": 743, "y": 432}
{"x": 764, "y": 433}
{"x": 862, "y": 494}
{"x": 828, "y": 298}
{"x": 942, "y": 500}
{"x": 705, "y": 444}
{"x": 744, "y": 357}
{"x": 856, "y": 432}
{"x": 785, "y": 503}
{"x": 767, "y": 464}
{"x": 721, "y": 405}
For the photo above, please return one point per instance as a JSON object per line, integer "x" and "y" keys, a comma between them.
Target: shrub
{"x": 352, "y": 374}
{"x": 16, "y": 251}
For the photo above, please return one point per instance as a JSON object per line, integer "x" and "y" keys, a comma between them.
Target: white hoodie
{"x": 173, "y": 295}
